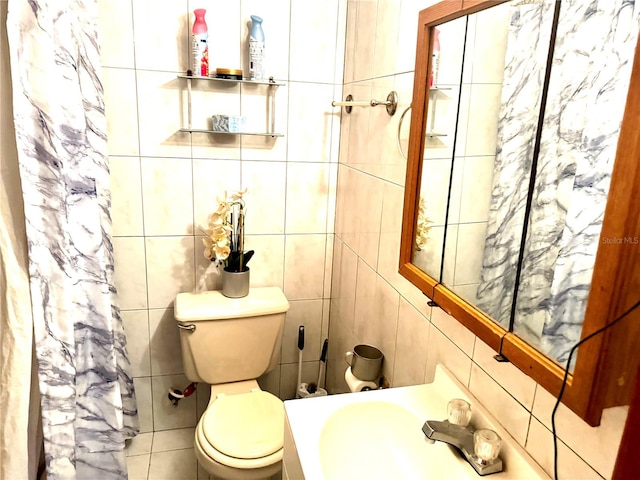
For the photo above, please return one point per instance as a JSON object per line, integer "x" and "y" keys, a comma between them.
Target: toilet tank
{"x": 230, "y": 339}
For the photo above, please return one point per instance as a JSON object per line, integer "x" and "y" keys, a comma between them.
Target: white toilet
{"x": 228, "y": 343}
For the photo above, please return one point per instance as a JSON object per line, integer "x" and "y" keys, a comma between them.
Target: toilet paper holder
{"x": 356, "y": 384}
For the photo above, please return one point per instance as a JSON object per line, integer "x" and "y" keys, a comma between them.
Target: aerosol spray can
{"x": 256, "y": 49}
{"x": 199, "y": 45}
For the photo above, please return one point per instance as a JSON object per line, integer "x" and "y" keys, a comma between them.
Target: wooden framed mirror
{"x": 605, "y": 366}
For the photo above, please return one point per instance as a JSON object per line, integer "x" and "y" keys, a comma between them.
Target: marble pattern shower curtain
{"x": 88, "y": 402}
{"x": 590, "y": 73}
{"x": 588, "y": 87}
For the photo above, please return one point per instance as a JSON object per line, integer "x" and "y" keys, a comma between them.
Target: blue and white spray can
{"x": 256, "y": 49}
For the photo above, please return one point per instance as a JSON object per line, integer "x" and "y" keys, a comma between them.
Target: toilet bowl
{"x": 240, "y": 435}
{"x": 229, "y": 343}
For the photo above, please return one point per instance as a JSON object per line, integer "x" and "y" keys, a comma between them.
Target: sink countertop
{"x": 306, "y": 419}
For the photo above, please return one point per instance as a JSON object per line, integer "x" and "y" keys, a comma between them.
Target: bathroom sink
{"x": 373, "y": 439}
{"x": 378, "y": 435}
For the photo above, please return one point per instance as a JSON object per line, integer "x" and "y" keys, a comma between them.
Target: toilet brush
{"x": 323, "y": 361}
{"x": 300, "y": 349}
{"x": 313, "y": 387}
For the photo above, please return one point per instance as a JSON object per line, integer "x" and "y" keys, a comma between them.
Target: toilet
{"x": 228, "y": 343}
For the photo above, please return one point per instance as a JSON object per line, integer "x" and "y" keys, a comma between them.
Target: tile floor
{"x": 165, "y": 455}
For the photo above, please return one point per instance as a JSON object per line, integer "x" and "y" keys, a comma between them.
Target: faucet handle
{"x": 486, "y": 445}
{"x": 459, "y": 412}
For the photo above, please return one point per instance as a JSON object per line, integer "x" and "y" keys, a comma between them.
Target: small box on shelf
{"x": 228, "y": 123}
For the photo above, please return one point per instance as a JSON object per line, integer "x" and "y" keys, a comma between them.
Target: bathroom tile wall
{"x": 164, "y": 183}
{"x": 372, "y": 303}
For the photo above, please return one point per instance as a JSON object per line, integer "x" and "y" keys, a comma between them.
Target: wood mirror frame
{"x": 606, "y": 365}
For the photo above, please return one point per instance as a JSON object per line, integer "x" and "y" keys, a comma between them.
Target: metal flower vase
{"x": 235, "y": 284}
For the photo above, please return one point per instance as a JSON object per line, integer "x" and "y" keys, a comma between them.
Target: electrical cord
{"x": 566, "y": 376}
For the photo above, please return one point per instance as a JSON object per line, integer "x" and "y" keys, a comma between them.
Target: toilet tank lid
{"x": 213, "y": 305}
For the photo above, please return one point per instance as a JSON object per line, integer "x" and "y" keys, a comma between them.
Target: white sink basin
{"x": 373, "y": 440}
{"x": 378, "y": 435}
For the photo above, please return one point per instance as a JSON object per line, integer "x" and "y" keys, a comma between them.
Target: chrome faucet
{"x": 479, "y": 447}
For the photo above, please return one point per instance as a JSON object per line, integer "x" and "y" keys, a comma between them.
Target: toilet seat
{"x": 244, "y": 430}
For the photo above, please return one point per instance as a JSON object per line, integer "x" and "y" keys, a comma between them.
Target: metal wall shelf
{"x": 258, "y": 134}
{"x": 271, "y": 85}
{"x": 270, "y": 82}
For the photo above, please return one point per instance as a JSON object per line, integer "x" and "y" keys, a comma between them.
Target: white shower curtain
{"x": 588, "y": 85}
{"x": 19, "y": 439}
{"x": 88, "y": 403}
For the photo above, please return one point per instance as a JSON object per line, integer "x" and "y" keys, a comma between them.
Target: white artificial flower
{"x": 238, "y": 195}
{"x": 222, "y": 253}
{"x": 218, "y": 240}
{"x": 422, "y": 225}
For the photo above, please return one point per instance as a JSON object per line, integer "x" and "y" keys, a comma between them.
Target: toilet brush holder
{"x": 303, "y": 391}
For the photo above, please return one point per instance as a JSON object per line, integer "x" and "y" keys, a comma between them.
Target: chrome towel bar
{"x": 391, "y": 103}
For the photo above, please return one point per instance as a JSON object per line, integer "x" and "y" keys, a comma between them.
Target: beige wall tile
{"x": 310, "y": 122}
{"x": 170, "y": 268}
{"x": 121, "y": 107}
{"x": 126, "y": 194}
{"x": 164, "y": 212}
{"x": 265, "y": 184}
{"x": 411, "y": 349}
{"x": 144, "y": 397}
{"x": 136, "y": 327}
{"x": 540, "y": 447}
{"x": 166, "y": 353}
{"x": 267, "y": 264}
{"x": 161, "y": 97}
{"x": 386, "y": 39}
{"x": 254, "y": 105}
{"x": 313, "y": 40}
{"x": 309, "y": 314}
{"x": 365, "y": 43}
{"x": 115, "y": 29}
{"x": 211, "y": 178}
{"x": 364, "y": 299}
{"x": 513, "y": 416}
{"x": 130, "y": 275}
{"x": 441, "y": 350}
{"x": 469, "y": 252}
{"x": 476, "y": 188}
{"x": 453, "y": 329}
{"x": 594, "y": 444}
{"x": 304, "y": 266}
{"x": 519, "y": 385}
{"x": 307, "y": 198}
{"x": 162, "y": 42}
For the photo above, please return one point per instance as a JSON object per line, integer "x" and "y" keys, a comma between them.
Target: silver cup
{"x": 365, "y": 361}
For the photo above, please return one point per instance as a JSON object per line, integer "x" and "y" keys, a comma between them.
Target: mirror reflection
{"x": 475, "y": 131}
{"x": 518, "y": 245}
{"x": 585, "y": 103}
